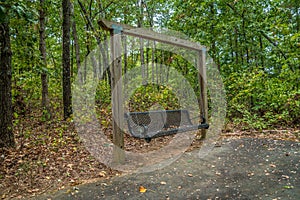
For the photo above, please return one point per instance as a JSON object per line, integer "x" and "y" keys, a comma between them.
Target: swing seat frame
{"x": 158, "y": 123}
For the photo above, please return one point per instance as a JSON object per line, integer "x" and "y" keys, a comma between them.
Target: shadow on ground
{"x": 240, "y": 169}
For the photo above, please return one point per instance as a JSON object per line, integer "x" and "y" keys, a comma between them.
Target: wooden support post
{"x": 117, "y": 96}
{"x": 201, "y": 63}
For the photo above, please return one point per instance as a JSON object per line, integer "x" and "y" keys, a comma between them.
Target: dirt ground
{"x": 242, "y": 168}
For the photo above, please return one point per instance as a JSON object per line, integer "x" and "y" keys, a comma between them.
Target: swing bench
{"x": 152, "y": 124}
{"x": 158, "y": 123}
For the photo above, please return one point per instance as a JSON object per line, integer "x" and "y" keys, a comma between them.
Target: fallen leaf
{"x": 142, "y": 189}
{"x": 102, "y": 173}
{"x": 68, "y": 191}
{"x": 70, "y": 165}
{"x": 250, "y": 174}
{"x": 272, "y": 165}
{"x": 288, "y": 187}
{"x": 285, "y": 176}
{"x": 190, "y": 175}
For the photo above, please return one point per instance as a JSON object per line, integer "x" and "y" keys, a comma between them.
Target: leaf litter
{"x": 49, "y": 156}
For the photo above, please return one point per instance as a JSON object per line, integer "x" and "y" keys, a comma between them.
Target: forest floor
{"x": 49, "y": 156}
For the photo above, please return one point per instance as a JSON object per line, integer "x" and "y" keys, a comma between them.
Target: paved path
{"x": 239, "y": 169}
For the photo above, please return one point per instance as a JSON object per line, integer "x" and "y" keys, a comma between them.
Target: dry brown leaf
{"x": 102, "y": 173}
{"x": 142, "y": 189}
{"x": 285, "y": 176}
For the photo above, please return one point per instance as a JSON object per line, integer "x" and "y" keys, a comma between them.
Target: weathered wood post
{"x": 117, "y": 95}
{"x": 202, "y": 83}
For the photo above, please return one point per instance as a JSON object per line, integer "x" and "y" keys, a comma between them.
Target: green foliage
{"x": 256, "y": 46}
{"x": 20, "y": 10}
{"x": 103, "y": 94}
{"x": 254, "y": 43}
{"x": 258, "y": 100}
{"x": 153, "y": 97}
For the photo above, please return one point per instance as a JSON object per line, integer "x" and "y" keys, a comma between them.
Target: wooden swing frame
{"x": 116, "y": 29}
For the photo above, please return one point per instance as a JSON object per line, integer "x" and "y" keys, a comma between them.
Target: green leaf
{"x": 288, "y": 187}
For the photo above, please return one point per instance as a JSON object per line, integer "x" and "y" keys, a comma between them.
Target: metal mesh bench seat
{"x": 153, "y": 124}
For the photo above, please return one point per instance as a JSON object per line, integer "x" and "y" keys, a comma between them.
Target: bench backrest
{"x": 157, "y": 120}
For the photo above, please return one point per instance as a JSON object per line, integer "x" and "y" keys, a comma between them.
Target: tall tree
{"x": 75, "y": 38}
{"x": 42, "y": 47}
{"x": 6, "y": 125}
{"x": 67, "y": 97}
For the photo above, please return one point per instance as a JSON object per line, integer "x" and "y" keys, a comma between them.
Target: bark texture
{"x": 6, "y": 125}
{"x": 67, "y": 97}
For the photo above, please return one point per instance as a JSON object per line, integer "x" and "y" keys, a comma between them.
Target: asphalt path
{"x": 246, "y": 168}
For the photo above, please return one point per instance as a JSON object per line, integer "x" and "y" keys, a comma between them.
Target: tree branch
{"x": 260, "y": 31}
{"x": 273, "y": 43}
{"x": 89, "y": 21}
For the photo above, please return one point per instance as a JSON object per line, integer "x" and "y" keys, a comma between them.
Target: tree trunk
{"x": 245, "y": 39}
{"x": 75, "y": 38}
{"x": 236, "y": 44}
{"x": 297, "y": 18}
{"x": 6, "y": 125}
{"x": 124, "y": 38}
{"x": 45, "y": 99}
{"x": 262, "y": 62}
{"x": 140, "y": 25}
{"x": 67, "y": 98}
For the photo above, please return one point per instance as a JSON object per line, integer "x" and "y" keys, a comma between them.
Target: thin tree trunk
{"x": 253, "y": 52}
{"x": 261, "y": 54}
{"x": 72, "y": 58}
{"x": 147, "y": 58}
{"x": 140, "y": 24}
{"x": 96, "y": 34}
{"x": 212, "y": 29}
{"x": 245, "y": 39}
{"x": 156, "y": 63}
{"x": 232, "y": 48}
{"x": 161, "y": 68}
{"x": 105, "y": 56}
{"x": 6, "y": 125}
{"x": 67, "y": 98}
{"x": 297, "y": 18}
{"x": 236, "y": 35}
{"x": 42, "y": 48}
{"x": 153, "y": 60}
{"x": 124, "y": 38}
{"x": 89, "y": 22}
{"x": 143, "y": 61}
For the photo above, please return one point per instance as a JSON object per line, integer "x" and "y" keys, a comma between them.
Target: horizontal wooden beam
{"x": 109, "y": 25}
{"x": 150, "y": 35}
